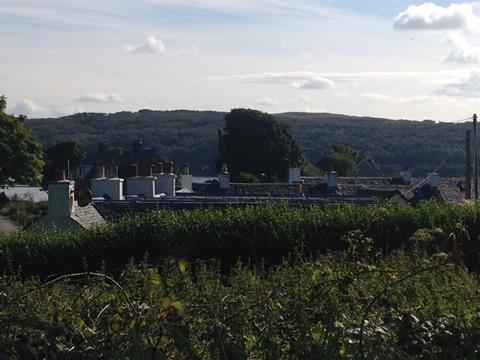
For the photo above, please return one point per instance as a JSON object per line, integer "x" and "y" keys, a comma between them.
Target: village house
{"x": 110, "y": 198}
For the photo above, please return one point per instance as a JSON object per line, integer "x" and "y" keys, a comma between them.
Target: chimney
{"x": 110, "y": 188}
{"x": 224, "y": 178}
{"x": 186, "y": 179}
{"x": 100, "y": 172}
{"x": 134, "y": 170}
{"x": 433, "y": 180}
{"x": 159, "y": 168}
{"x": 294, "y": 175}
{"x": 406, "y": 176}
{"x": 141, "y": 186}
{"x": 61, "y": 196}
{"x": 331, "y": 179}
{"x": 165, "y": 182}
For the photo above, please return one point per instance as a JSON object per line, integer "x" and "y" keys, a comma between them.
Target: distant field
{"x": 191, "y": 136}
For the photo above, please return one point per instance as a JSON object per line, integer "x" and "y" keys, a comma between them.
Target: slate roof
{"x": 358, "y": 190}
{"x": 87, "y": 216}
{"x": 115, "y": 210}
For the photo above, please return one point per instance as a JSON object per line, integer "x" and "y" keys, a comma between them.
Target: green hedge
{"x": 254, "y": 234}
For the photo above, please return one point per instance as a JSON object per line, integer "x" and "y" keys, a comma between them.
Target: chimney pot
{"x": 167, "y": 167}
{"x": 61, "y": 175}
{"x": 100, "y": 171}
{"x": 159, "y": 167}
{"x": 134, "y": 170}
{"x": 224, "y": 168}
{"x": 150, "y": 170}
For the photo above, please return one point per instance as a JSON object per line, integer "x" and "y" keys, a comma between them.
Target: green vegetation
{"x": 304, "y": 308}
{"x": 263, "y": 282}
{"x": 23, "y": 210}
{"x": 192, "y": 137}
{"x": 61, "y": 156}
{"x": 20, "y": 154}
{"x": 342, "y": 159}
{"x": 253, "y": 234}
{"x": 253, "y": 143}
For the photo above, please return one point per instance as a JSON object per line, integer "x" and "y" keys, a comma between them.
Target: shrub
{"x": 253, "y": 234}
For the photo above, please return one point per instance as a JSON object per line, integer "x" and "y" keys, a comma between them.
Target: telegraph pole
{"x": 475, "y": 156}
{"x": 468, "y": 165}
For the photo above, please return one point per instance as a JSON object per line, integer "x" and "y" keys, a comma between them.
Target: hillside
{"x": 191, "y": 136}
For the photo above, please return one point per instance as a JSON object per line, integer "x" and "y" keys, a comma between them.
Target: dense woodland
{"x": 192, "y": 137}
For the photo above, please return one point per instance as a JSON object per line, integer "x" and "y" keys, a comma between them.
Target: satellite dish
{"x": 84, "y": 196}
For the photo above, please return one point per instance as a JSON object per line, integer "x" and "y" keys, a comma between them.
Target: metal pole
{"x": 468, "y": 165}
{"x": 475, "y": 156}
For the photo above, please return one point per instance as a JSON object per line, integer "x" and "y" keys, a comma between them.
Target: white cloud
{"x": 155, "y": 46}
{"x": 464, "y": 84}
{"x": 268, "y": 102}
{"x": 296, "y": 79}
{"x": 100, "y": 97}
{"x": 29, "y": 108}
{"x": 429, "y": 16}
{"x": 461, "y": 51}
{"x": 313, "y": 84}
{"x": 151, "y": 45}
{"x": 33, "y": 110}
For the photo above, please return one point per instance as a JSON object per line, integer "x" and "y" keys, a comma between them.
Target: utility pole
{"x": 468, "y": 165}
{"x": 475, "y": 156}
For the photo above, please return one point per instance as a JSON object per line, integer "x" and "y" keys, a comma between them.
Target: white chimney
{"x": 186, "y": 179}
{"x": 294, "y": 175}
{"x": 433, "y": 180}
{"x": 142, "y": 186}
{"x": 406, "y": 176}
{"x": 165, "y": 181}
{"x": 111, "y": 188}
{"x": 331, "y": 179}
{"x": 61, "y": 196}
{"x": 224, "y": 178}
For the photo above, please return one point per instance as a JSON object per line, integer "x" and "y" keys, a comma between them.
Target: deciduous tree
{"x": 20, "y": 154}
{"x": 253, "y": 142}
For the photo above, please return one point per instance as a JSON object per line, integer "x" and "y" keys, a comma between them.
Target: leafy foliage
{"x": 191, "y": 137}
{"x": 61, "y": 156}
{"x": 254, "y": 143}
{"x": 341, "y": 159}
{"x": 300, "y": 309}
{"x": 254, "y": 234}
{"x": 23, "y": 210}
{"x": 20, "y": 154}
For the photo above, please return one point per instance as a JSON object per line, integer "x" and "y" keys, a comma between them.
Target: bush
{"x": 253, "y": 234}
{"x": 299, "y": 309}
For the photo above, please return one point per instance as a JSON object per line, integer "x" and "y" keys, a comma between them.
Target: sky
{"x": 397, "y": 59}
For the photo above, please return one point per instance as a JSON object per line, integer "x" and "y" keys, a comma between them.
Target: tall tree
{"x": 20, "y": 154}
{"x": 253, "y": 142}
{"x": 62, "y": 155}
{"x": 342, "y": 159}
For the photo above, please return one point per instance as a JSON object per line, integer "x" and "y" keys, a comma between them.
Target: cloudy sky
{"x": 389, "y": 58}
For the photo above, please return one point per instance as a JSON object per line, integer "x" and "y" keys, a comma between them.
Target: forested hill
{"x": 191, "y": 136}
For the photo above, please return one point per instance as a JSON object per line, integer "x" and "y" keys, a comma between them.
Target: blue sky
{"x": 396, "y": 59}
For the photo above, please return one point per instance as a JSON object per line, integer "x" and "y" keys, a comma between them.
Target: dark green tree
{"x": 252, "y": 142}
{"x": 61, "y": 156}
{"x": 20, "y": 154}
{"x": 342, "y": 159}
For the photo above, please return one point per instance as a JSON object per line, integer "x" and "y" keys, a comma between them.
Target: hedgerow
{"x": 303, "y": 308}
{"x": 253, "y": 234}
